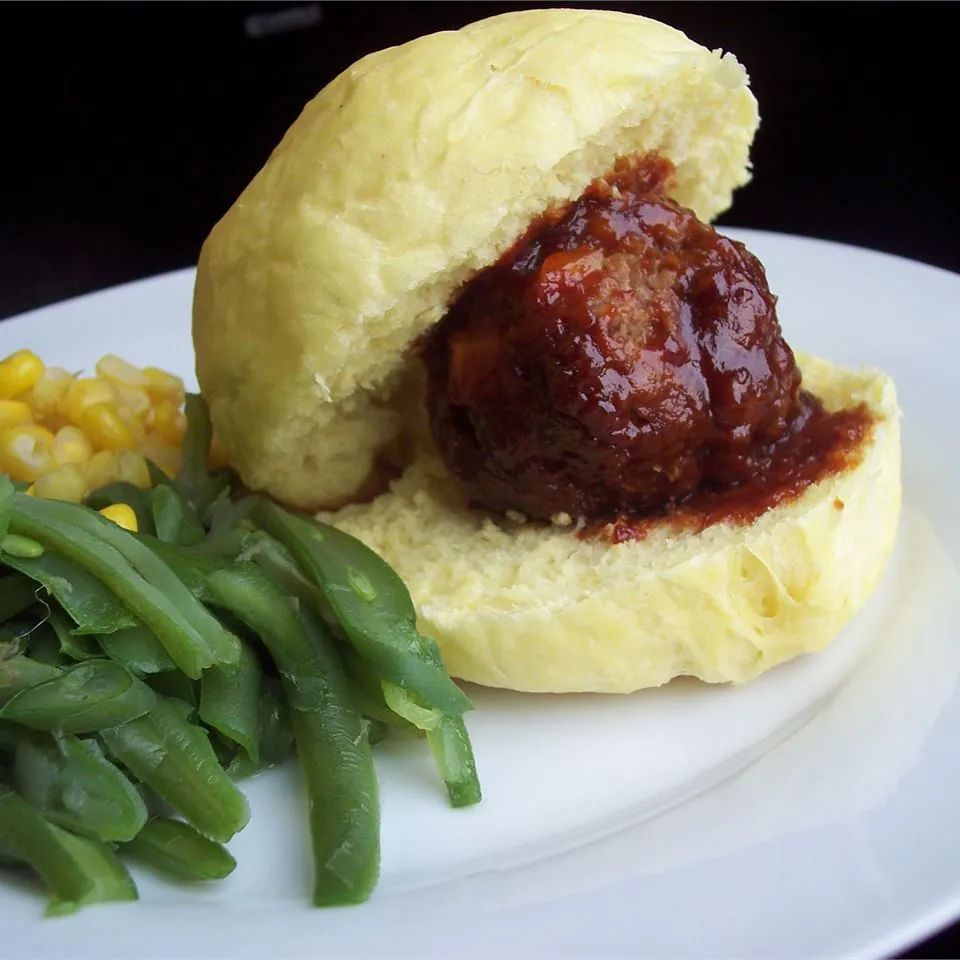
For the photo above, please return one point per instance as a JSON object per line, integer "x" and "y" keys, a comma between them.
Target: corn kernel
{"x": 137, "y": 433}
{"x": 49, "y": 390}
{"x": 163, "y": 386}
{"x": 169, "y": 423}
{"x": 104, "y": 427}
{"x": 122, "y": 515}
{"x": 67, "y": 435}
{"x": 71, "y": 445}
{"x": 19, "y": 372}
{"x": 25, "y": 451}
{"x": 63, "y": 483}
{"x": 83, "y": 393}
{"x": 102, "y": 468}
{"x": 132, "y": 468}
{"x": 164, "y": 455}
{"x": 133, "y": 403}
{"x": 13, "y": 412}
{"x": 113, "y": 368}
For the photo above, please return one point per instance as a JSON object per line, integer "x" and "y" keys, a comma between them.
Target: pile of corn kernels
{"x": 67, "y": 434}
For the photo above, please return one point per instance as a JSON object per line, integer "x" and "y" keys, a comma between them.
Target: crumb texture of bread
{"x": 412, "y": 170}
{"x": 531, "y": 607}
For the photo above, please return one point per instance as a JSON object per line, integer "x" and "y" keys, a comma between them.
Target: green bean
{"x": 196, "y": 444}
{"x": 173, "y": 520}
{"x": 21, "y": 673}
{"x": 192, "y": 636}
{"x": 371, "y": 603}
{"x": 275, "y": 560}
{"x": 174, "y": 758}
{"x": 368, "y": 692}
{"x": 43, "y": 644}
{"x": 194, "y": 568}
{"x": 107, "y": 876}
{"x": 226, "y": 515}
{"x": 75, "y": 647}
{"x": 276, "y": 736}
{"x": 86, "y": 697}
{"x": 344, "y": 822}
{"x": 357, "y": 580}
{"x": 453, "y": 753}
{"x": 91, "y": 605}
{"x": 138, "y": 649}
{"x": 253, "y": 598}
{"x": 191, "y": 568}
{"x": 405, "y": 706}
{"x": 229, "y": 701}
{"x": 177, "y": 687}
{"x": 8, "y": 855}
{"x": 158, "y": 477}
{"x": 16, "y": 594}
{"x": 227, "y": 545}
{"x": 77, "y": 787}
{"x": 376, "y": 730}
{"x": 335, "y": 755}
{"x": 148, "y": 566}
{"x": 9, "y": 735}
{"x": 175, "y": 847}
{"x": 337, "y": 764}
{"x": 198, "y": 487}
{"x": 449, "y": 744}
{"x": 76, "y": 870}
{"x": 122, "y": 492}
{"x": 26, "y": 836}
{"x": 7, "y": 490}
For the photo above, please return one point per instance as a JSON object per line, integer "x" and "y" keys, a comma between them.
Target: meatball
{"x": 621, "y": 356}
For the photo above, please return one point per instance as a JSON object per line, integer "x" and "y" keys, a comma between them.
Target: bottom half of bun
{"x": 537, "y": 608}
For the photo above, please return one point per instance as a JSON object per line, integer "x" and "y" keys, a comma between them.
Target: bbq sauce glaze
{"x": 623, "y": 362}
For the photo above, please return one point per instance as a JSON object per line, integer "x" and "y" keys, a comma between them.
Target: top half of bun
{"x": 413, "y": 169}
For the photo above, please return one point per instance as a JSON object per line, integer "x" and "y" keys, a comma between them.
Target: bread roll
{"x": 536, "y": 608}
{"x": 412, "y": 170}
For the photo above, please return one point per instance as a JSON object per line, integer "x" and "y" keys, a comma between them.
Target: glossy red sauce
{"x": 826, "y": 444}
{"x": 624, "y": 361}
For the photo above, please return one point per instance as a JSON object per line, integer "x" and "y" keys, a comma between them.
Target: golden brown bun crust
{"x": 413, "y": 169}
{"x": 535, "y": 608}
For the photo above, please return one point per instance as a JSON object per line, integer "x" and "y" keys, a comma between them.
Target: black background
{"x": 128, "y": 129}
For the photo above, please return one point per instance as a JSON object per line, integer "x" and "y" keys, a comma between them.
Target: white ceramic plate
{"x": 813, "y": 812}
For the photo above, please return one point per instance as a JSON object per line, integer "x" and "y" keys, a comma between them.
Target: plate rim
{"x": 936, "y": 915}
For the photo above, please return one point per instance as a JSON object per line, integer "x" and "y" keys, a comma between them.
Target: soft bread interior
{"x": 535, "y": 608}
{"x": 412, "y": 170}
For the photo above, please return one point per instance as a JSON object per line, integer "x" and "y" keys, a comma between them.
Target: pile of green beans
{"x": 142, "y": 674}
